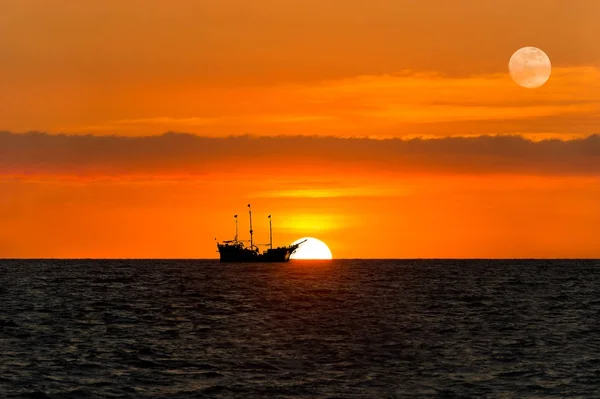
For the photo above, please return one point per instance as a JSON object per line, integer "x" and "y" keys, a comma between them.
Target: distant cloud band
{"x": 177, "y": 154}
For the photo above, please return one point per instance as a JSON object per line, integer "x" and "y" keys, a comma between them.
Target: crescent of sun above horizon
{"x": 311, "y": 248}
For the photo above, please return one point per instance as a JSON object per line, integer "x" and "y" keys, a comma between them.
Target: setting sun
{"x": 311, "y": 249}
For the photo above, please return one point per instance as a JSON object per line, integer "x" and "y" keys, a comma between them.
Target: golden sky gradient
{"x": 391, "y": 99}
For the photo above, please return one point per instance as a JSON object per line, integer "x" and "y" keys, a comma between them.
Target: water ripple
{"x": 344, "y": 329}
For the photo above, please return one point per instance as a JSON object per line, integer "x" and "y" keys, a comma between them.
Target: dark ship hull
{"x": 236, "y": 253}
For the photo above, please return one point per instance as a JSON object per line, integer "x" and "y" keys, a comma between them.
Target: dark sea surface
{"x": 339, "y": 329}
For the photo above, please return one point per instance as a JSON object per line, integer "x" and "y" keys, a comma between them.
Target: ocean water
{"x": 339, "y": 329}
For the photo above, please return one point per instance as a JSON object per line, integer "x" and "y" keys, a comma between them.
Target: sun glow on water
{"x": 311, "y": 249}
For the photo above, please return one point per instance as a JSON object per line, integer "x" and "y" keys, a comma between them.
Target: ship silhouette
{"x": 237, "y": 251}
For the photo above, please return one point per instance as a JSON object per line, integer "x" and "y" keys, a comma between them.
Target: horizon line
{"x": 302, "y": 260}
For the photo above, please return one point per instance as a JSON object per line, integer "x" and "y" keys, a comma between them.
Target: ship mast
{"x": 251, "y": 231}
{"x": 236, "y": 228}
{"x": 270, "y": 233}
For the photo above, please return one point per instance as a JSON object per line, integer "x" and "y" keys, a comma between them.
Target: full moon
{"x": 529, "y": 67}
{"x": 311, "y": 249}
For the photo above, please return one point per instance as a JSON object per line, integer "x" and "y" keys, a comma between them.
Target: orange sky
{"x": 385, "y": 71}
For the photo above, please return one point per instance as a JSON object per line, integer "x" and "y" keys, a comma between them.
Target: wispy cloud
{"x": 393, "y": 105}
{"x": 427, "y": 97}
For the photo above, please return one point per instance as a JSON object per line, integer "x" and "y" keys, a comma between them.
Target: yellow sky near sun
{"x": 435, "y": 217}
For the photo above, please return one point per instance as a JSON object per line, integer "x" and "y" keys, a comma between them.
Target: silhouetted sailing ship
{"x": 236, "y": 251}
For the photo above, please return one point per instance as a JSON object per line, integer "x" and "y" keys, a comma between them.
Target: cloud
{"x": 182, "y": 155}
{"x": 383, "y": 105}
